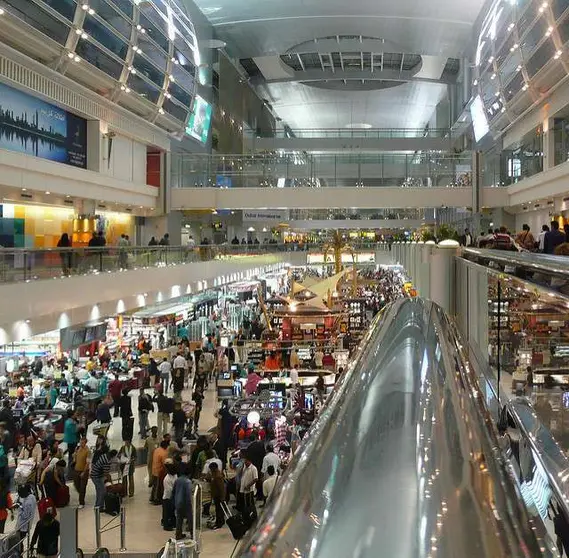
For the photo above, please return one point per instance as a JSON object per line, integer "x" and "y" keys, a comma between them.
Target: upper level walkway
{"x": 370, "y": 139}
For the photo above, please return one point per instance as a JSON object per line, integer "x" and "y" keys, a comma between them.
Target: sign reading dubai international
{"x": 264, "y": 215}
{"x": 32, "y": 126}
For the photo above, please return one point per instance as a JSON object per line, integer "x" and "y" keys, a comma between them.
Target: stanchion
{"x": 97, "y": 527}
{"x": 123, "y": 529}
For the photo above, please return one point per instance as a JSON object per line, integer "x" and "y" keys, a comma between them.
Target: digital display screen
{"x": 479, "y": 120}
{"x": 200, "y": 120}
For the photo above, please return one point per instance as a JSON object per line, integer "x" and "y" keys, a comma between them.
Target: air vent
{"x": 101, "y": 206}
{"x": 129, "y": 209}
{"x": 68, "y": 202}
{"x": 26, "y": 196}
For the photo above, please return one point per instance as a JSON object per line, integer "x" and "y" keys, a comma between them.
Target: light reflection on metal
{"x": 367, "y": 478}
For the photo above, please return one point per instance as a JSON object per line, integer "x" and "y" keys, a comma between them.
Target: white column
{"x": 442, "y": 276}
{"x": 548, "y": 144}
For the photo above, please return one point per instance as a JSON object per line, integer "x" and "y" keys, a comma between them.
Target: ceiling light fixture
{"x": 70, "y": 55}
{"x": 558, "y": 54}
{"x": 91, "y": 11}
{"x": 1, "y": 12}
{"x": 161, "y": 110}
{"x": 77, "y": 59}
{"x": 85, "y": 7}
{"x": 78, "y": 31}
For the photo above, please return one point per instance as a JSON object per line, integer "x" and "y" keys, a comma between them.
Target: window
{"x": 143, "y": 88}
{"x": 113, "y": 17}
{"x": 510, "y": 66}
{"x": 175, "y": 110}
{"x": 103, "y": 35}
{"x": 125, "y": 6}
{"x": 100, "y": 59}
{"x": 145, "y": 68}
{"x": 514, "y": 87}
{"x": 541, "y": 57}
{"x": 559, "y": 7}
{"x": 155, "y": 27}
{"x": 533, "y": 37}
{"x": 65, "y": 7}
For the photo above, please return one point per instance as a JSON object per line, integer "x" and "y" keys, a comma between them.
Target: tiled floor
{"x": 143, "y": 530}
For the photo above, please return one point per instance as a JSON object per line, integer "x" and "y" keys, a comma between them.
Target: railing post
{"x": 101, "y": 261}
{"x": 25, "y": 266}
{"x": 123, "y": 529}
{"x": 97, "y": 527}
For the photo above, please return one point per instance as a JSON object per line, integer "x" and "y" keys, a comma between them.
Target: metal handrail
{"x": 361, "y": 132}
{"x": 551, "y": 265}
{"x": 197, "y": 516}
{"x": 407, "y": 430}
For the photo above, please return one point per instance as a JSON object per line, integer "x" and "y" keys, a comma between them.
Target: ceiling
{"x": 267, "y": 31}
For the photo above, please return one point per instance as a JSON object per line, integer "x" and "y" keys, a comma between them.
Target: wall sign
{"x": 32, "y": 126}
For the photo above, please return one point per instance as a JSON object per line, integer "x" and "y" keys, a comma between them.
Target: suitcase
{"x": 116, "y": 488}
{"x": 112, "y": 503}
{"x": 62, "y": 496}
{"x": 236, "y": 523}
{"x": 46, "y": 504}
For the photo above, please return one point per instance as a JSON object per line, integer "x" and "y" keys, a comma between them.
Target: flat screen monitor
{"x": 234, "y": 368}
{"x": 479, "y": 120}
{"x": 200, "y": 120}
{"x": 227, "y": 375}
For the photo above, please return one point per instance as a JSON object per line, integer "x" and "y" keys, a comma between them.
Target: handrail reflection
{"x": 403, "y": 461}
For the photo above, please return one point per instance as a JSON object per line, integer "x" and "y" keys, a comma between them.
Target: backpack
{"x": 503, "y": 241}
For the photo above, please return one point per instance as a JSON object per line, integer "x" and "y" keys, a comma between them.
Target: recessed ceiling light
{"x": 24, "y": 189}
{"x": 1, "y": 11}
{"x": 70, "y": 55}
{"x": 48, "y": 193}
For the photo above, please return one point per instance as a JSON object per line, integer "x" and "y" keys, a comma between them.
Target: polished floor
{"x": 143, "y": 530}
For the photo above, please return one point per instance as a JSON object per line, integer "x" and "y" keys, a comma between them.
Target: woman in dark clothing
{"x": 46, "y": 535}
{"x": 64, "y": 242}
{"x": 125, "y": 407}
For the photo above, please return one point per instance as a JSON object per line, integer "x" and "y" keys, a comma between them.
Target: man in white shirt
{"x": 249, "y": 478}
{"x": 293, "y": 376}
{"x": 180, "y": 363}
{"x": 271, "y": 459}
{"x": 269, "y": 482}
{"x": 165, "y": 369}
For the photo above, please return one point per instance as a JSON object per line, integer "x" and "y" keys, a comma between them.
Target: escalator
{"x": 405, "y": 460}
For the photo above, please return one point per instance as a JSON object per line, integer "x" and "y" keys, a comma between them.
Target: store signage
{"x": 32, "y": 126}
{"x": 73, "y": 337}
{"x": 347, "y": 258}
{"x": 264, "y": 215}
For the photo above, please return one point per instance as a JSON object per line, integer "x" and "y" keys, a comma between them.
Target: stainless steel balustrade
{"x": 402, "y": 461}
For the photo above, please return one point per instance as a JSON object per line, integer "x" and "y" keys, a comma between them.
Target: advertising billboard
{"x": 32, "y": 126}
{"x": 200, "y": 120}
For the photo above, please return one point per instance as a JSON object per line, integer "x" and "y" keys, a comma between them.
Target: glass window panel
{"x": 100, "y": 59}
{"x": 489, "y": 89}
{"x": 105, "y": 36}
{"x": 145, "y": 68}
{"x": 186, "y": 63}
{"x": 558, "y": 7}
{"x": 108, "y": 13}
{"x": 156, "y": 55}
{"x": 175, "y": 110}
{"x": 183, "y": 51}
{"x": 526, "y": 18}
{"x": 510, "y": 66}
{"x": 512, "y": 89}
{"x": 504, "y": 51}
{"x": 533, "y": 37}
{"x": 564, "y": 30}
{"x": 143, "y": 88}
{"x": 541, "y": 57}
{"x": 65, "y": 7}
{"x": 125, "y": 6}
{"x": 39, "y": 19}
{"x": 183, "y": 79}
{"x": 183, "y": 96}
{"x": 154, "y": 25}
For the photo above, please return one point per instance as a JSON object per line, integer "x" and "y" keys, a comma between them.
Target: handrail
{"x": 197, "y": 516}
{"x": 403, "y": 459}
{"x": 388, "y": 133}
{"x": 551, "y": 265}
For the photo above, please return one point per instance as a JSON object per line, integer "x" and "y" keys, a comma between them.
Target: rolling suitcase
{"x": 236, "y": 523}
{"x": 112, "y": 503}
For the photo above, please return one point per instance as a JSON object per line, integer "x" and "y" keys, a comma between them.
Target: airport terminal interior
{"x": 284, "y": 279}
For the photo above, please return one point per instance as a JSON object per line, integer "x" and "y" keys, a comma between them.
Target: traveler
{"x": 165, "y": 240}
{"x": 158, "y": 472}
{"x": 145, "y": 406}
{"x": 253, "y": 380}
{"x": 553, "y": 238}
{"x": 217, "y": 488}
{"x": 46, "y": 536}
{"x": 153, "y": 242}
{"x": 27, "y": 510}
{"x": 525, "y": 239}
{"x": 270, "y": 459}
{"x": 94, "y": 240}
{"x": 182, "y": 496}
{"x": 180, "y": 369}
{"x": 127, "y": 459}
{"x": 168, "y": 509}
{"x": 256, "y": 453}
{"x": 541, "y": 238}
{"x": 197, "y": 398}
{"x": 150, "y": 445}
{"x": 125, "y": 405}
{"x": 115, "y": 389}
{"x": 191, "y": 242}
{"x": 165, "y": 407}
{"x": 81, "y": 462}
{"x": 178, "y": 422}
{"x": 269, "y": 482}
{"x": 249, "y": 478}
{"x": 103, "y": 412}
{"x": 466, "y": 239}
{"x": 165, "y": 374}
{"x": 6, "y": 503}
{"x": 53, "y": 479}
{"x": 65, "y": 254}
{"x": 100, "y": 470}
{"x": 70, "y": 436}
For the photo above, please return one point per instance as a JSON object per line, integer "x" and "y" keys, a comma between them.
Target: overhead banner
{"x": 264, "y": 215}
{"x": 32, "y": 126}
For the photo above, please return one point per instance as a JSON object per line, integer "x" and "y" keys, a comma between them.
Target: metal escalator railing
{"x": 404, "y": 460}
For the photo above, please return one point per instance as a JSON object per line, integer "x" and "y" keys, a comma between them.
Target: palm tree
{"x": 337, "y": 246}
